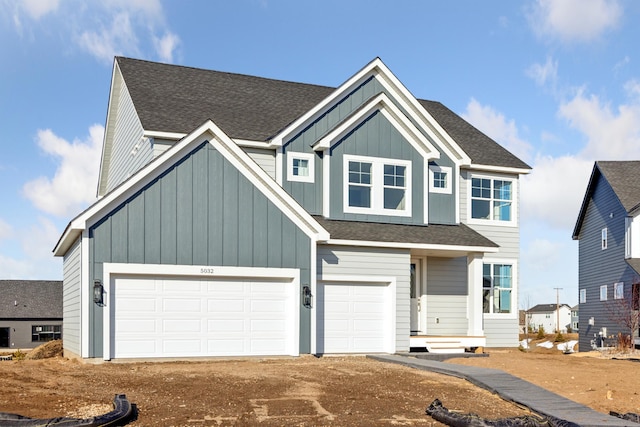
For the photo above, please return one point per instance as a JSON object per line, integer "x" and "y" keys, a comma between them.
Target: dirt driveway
{"x": 303, "y": 391}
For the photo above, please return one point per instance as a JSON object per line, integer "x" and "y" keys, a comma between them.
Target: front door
{"x": 416, "y": 316}
{"x": 4, "y": 337}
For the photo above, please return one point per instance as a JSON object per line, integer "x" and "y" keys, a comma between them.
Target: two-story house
{"x": 608, "y": 234}
{"x": 549, "y": 316}
{"x": 240, "y": 215}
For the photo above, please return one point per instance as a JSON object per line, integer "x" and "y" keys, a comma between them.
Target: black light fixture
{"x": 306, "y": 296}
{"x": 98, "y": 292}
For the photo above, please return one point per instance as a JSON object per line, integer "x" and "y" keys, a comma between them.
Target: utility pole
{"x": 557, "y": 309}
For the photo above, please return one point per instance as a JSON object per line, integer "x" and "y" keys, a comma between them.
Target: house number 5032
{"x": 206, "y": 270}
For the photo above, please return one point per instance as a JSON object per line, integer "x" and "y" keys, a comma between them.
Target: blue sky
{"x": 556, "y": 82}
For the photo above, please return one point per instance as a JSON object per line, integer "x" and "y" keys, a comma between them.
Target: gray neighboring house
{"x": 245, "y": 216}
{"x": 30, "y": 313}
{"x": 608, "y": 234}
{"x": 575, "y": 314}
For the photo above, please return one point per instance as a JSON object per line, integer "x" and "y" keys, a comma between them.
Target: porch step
{"x": 446, "y": 344}
{"x": 445, "y": 347}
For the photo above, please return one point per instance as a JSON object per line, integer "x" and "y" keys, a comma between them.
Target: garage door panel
{"x": 216, "y": 317}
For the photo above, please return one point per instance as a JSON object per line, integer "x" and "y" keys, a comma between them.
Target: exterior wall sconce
{"x": 98, "y": 293}
{"x": 306, "y": 296}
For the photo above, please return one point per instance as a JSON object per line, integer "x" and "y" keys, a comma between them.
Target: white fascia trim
{"x": 498, "y": 169}
{"x": 171, "y": 136}
{"x": 279, "y": 167}
{"x": 253, "y": 144}
{"x": 313, "y": 273}
{"x": 424, "y": 246}
{"x": 381, "y": 103}
{"x": 206, "y": 132}
{"x": 326, "y": 182}
{"x": 86, "y": 289}
{"x": 202, "y": 272}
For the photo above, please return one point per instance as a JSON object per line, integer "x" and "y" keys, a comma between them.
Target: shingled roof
{"x": 433, "y": 234}
{"x": 172, "y": 98}
{"x": 30, "y": 299}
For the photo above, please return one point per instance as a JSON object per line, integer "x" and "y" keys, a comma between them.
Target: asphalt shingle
{"x": 30, "y": 299}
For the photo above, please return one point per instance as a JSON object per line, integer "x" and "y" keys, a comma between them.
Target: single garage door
{"x": 353, "y": 318}
{"x": 188, "y": 317}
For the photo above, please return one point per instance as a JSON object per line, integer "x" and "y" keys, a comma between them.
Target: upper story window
{"x": 492, "y": 199}
{"x": 618, "y": 290}
{"x": 497, "y": 288}
{"x": 583, "y": 296}
{"x": 375, "y": 185}
{"x": 603, "y": 293}
{"x": 604, "y": 238}
{"x": 300, "y": 167}
{"x": 440, "y": 179}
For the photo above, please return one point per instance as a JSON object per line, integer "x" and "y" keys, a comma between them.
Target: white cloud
{"x": 544, "y": 73}
{"x": 73, "y": 186}
{"x": 553, "y": 191}
{"x": 166, "y": 45}
{"x": 36, "y": 9}
{"x": 574, "y": 20}
{"x": 39, "y": 240}
{"x": 611, "y": 135}
{"x": 495, "y": 125}
{"x": 106, "y": 43}
{"x": 5, "y": 230}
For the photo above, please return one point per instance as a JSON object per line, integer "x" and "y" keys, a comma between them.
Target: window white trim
{"x": 583, "y": 296}
{"x": 618, "y": 290}
{"x": 377, "y": 186}
{"x": 604, "y": 238}
{"x": 514, "y": 287}
{"x": 449, "y": 176}
{"x": 603, "y": 293}
{"x": 309, "y": 158}
{"x": 490, "y": 221}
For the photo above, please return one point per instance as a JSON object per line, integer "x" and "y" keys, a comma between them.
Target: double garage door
{"x": 191, "y": 317}
{"x": 186, "y": 317}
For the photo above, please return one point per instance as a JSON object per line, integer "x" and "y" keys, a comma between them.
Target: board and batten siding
{"x": 501, "y": 330}
{"x": 71, "y": 300}
{"x": 130, "y": 151}
{"x": 598, "y": 267}
{"x": 265, "y": 158}
{"x": 447, "y": 290}
{"x": 442, "y": 207}
{"x": 355, "y": 261}
{"x": 202, "y": 211}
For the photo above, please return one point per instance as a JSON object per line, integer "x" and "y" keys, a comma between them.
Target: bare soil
{"x": 303, "y": 391}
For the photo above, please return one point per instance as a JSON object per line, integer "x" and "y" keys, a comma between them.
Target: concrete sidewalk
{"x": 514, "y": 389}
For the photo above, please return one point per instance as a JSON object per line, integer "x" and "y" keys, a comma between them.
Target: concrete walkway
{"x": 514, "y": 389}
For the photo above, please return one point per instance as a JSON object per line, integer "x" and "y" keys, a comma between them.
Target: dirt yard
{"x": 304, "y": 391}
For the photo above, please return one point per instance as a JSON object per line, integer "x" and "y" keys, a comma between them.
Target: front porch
{"x": 446, "y": 344}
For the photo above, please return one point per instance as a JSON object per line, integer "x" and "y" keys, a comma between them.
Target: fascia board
{"x": 310, "y": 115}
{"x": 173, "y": 136}
{"x": 498, "y": 169}
{"x": 423, "y": 246}
{"x": 382, "y": 103}
{"x": 208, "y": 131}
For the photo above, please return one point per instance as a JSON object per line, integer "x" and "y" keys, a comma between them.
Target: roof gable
{"x": 30, "y": 299}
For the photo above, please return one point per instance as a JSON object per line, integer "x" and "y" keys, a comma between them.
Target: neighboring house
{"x": 575, "y": 312}
{"x": 546, "y": 315}
{"x": 30, "y": 313}
{"x": 608, "y": 234}
{"x": 239, "y": 215}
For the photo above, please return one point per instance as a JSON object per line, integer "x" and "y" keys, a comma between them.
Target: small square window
{"x": 440, "y": 179}
{"x": 603, "y": 293}
{"x": 300, "y": 167}
{"x": 604, "y": 238}
{"x": 618, "y": 290}
{"x": 583, "y": 296}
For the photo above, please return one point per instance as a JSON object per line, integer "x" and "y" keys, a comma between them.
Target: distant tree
{"x": 541, "y": 333}
{"x": 625, "y": 312}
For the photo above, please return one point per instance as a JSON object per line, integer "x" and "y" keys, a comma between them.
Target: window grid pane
{"x": 497, "y": 288}
{"x": 439, "y": 179}
{"x": 300, "y": 167}
{"x": 491, "y": 199}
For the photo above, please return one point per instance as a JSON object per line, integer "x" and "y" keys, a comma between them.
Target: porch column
{"x": 474, "y": 298}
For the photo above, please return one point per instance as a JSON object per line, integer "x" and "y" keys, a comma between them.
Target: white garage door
{"x": 353, "y": 318}
{"x": 171, "y": 317}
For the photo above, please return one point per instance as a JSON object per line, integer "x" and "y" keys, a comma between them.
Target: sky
{"x": 557, "y": 82}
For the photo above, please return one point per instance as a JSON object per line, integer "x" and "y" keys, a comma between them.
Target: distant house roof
{"x": 622, "y": 176}
{"x": 172, "y": 98}
{"x": 546, "y": 308}
{"x": 433, "y": 234}
{"x": 30, "y": 299}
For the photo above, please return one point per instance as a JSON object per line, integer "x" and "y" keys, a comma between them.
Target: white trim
{"x": 253, "y": 144}
{"x": 513, "y": 222}
{"x": 498, "y": 169}
{"x": 234, "y": 154}
{"x": 377, "y": 186}
{"x": 458, "y": 180}
{"x": 606, "y": 293}
{"x": 110, "y": 270}
{"x": 313, "y": 278}
{"x": 279, "y": 166}
{"x": 618, "y": 294}
{"x": 326, "y": 184}
{"x": 448, "y": 189}
{"x": 582, "y": 296}
{"x": 172, "y": 136}
{"x": 310, "y": 158}
{"x": 604, "y": 238}
{"x": 392, "y": 113}
{"x": 86, "y": 288}
{"x": 424, "y": 246}
{"x": 390, "y": 281}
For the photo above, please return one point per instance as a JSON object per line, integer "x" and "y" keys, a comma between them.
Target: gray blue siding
{"x": 71, "y": 301}
{"x": 202, "y": 211}
{"x": 442, "y": 207}
{"x": 597, "y": 267}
